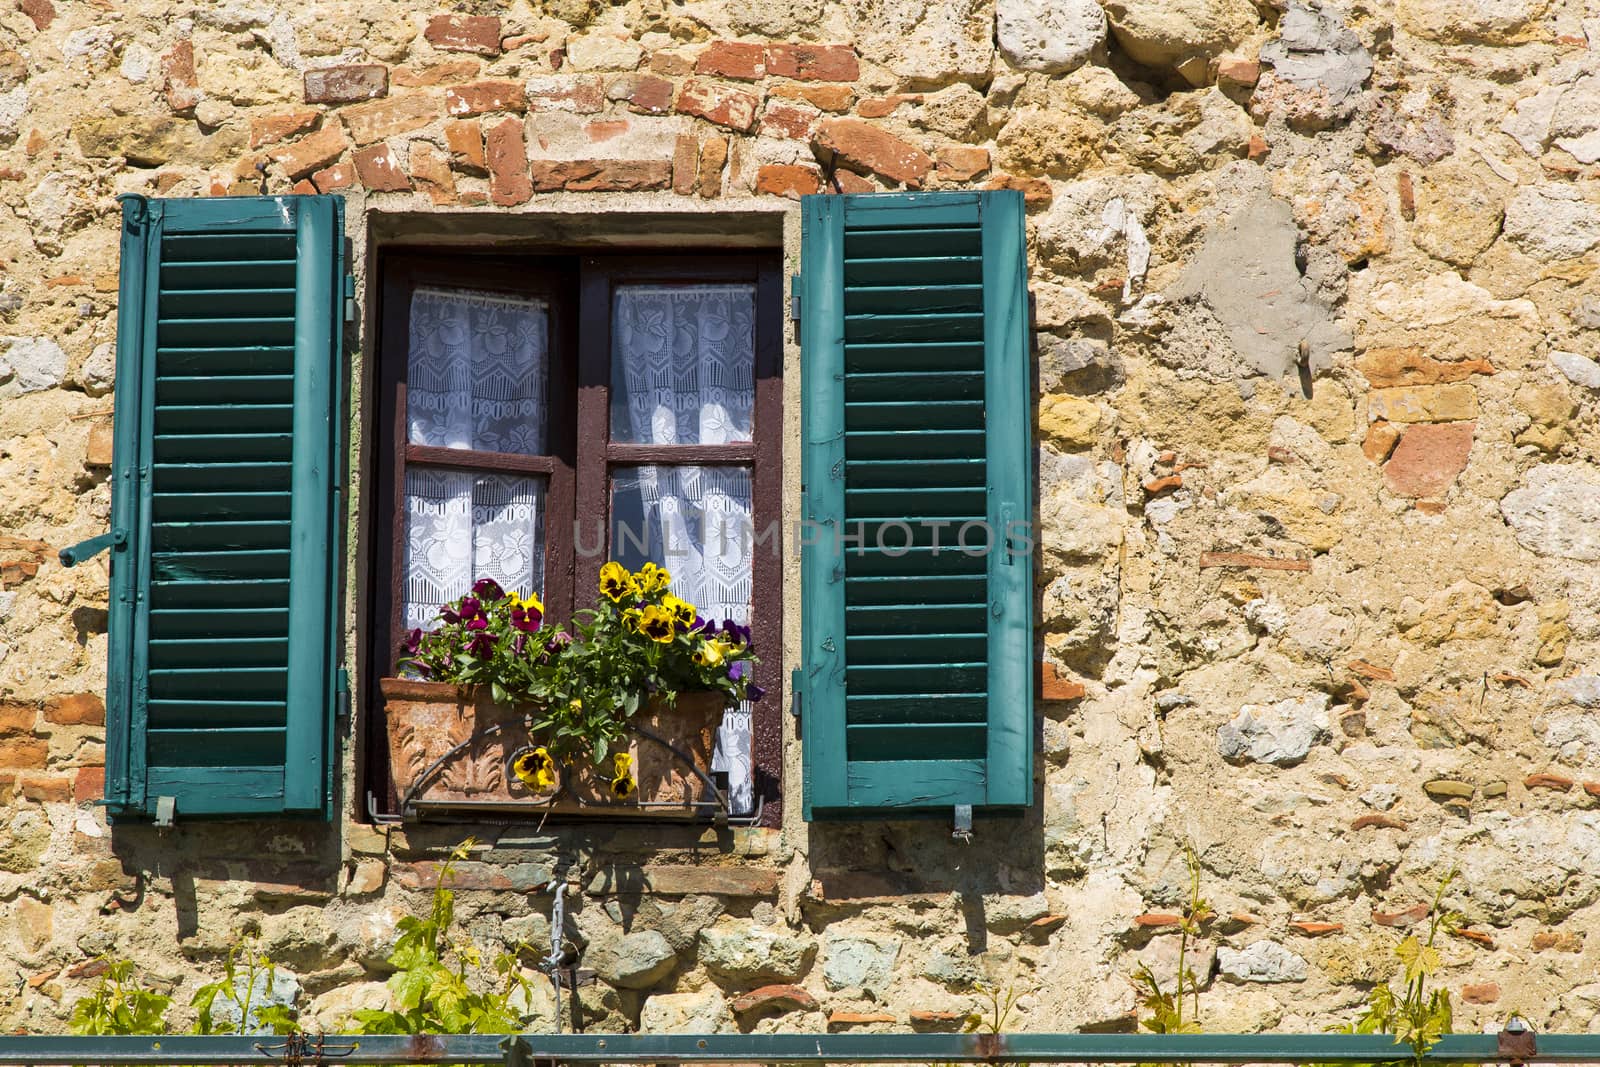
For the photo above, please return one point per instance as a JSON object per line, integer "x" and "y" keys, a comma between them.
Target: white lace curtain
{"x": 475, "y": 379}
{"x": 683, "y": 372}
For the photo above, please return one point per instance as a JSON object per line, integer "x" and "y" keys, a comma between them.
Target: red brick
{"x": 1481, "y": 993}
{"x": 346, "y": 85}
{"x": 1152, "y": 919}
{"x": 685, "y": 164}
{"x": 774, "y": 997}
{"x": 379, "y": 170}
{"x": 24, "y": 753}
{"x": 1408, "y": 196}
{"x": 791, "y": 180}
{"x": 1161, "y": 485}
{"x": 732, "y": 59}
{"x": 453, "y": 70}
{"x": 1053, "y": 685}
{"x": 732, "y": 108}
{"x": 713, "y": 154}
{"x": 464, "y": 33}
{"x": 643, "y": 93}
{"x": 1478, "y": 937}
{"x": 922, "y": 1017}
{"x": 338, "y": 176}
{"x": 76, "y": 709}
{"x": 47, "y": 789}
{"x": 1409, "y": 916}
{"x": 1556, "y": 782}
{"x": 311, "y": 153}
{"x": 858, "y": 1018}
{"x": 1036, "y": 192}
{"x": 877, "y": 107}
{"x": 16, "y": 571}
{"x": 863, "y": 147}
{"x": 378, "y": 120}
{"x": 958, "y": 163}
{"x": 1315, "y": 929}
{"x": 786, "y": 120}
{"x": 269, "y": 129}
{"x": 1428, "y": 458}
{"x": 40, "y": 11}
{"x": 90, "y": 784}
{"x": 823, "y": 97}
{"x": 1258, "y": 147}
{"x": 431, "y": 167}
{"x": 583, "y": 94}
{"x": 304, "y": 187}
{"x": 1239, "y": 71}
{"x": 18, "y": 716}
{"x": 464, "y": 138}
{"x": 90, "y": 968}
{"x": 179, "y": 85}
{"x": 40, "y": 551}
{"x": 1382, "y": 822}
{"x": 508, "y": 164}
{"x": 813, "y": 62}
{"x": 484, "y": 96}
{"x": 848, "y": 181}
{"x": 601, "y": 175}
{"x": 1388, "y": 367}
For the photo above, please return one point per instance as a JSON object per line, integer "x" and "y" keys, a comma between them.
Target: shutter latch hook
{"x": 963, "y": 824}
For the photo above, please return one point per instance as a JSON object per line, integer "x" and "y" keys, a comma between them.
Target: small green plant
{"x": 992, "y": 1020}
{"x": 1166, "y": 1008}
{"x": 258, "y": 973}
{"x": 119, "y": 1005}
{"x": 1417, "y": 1015}
{"x": 432, "y": 996}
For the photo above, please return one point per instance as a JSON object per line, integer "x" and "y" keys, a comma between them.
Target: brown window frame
{"x": 580, "y": 454}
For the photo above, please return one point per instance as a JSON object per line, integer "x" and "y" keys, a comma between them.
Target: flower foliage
{"x": 585, "y": 679}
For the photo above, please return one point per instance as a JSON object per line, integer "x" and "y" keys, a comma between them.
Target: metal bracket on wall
{"x": 963, "y": 824}
{"x": 166, "y": 812}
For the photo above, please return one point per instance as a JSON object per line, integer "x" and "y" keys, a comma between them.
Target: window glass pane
{"x": 683, "y": 364}
{"x": 462, "y": 526}
{"x": 477, "y": 371}
{"x": 695, "y": 521}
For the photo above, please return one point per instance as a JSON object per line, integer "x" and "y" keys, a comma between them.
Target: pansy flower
{"x": 656, "y": 623}
{"x": 616, "y": 583}
{"x": 470, "y": 608}
{"x": 535, "y": 769}
{"x": 710, "y": 653}
{"x": 682, "y": 611}
{"x": 413, "y": 643}
{"x": 622, "y": 781}
{"x": 488, "y": 589}
{"x": 652, "y": 578}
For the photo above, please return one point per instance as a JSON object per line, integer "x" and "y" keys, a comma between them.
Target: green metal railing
{"x": 526, "y": 1050}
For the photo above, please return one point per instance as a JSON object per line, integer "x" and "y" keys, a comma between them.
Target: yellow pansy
{"x": 655, "y": 623}
{"x": 711, "y": 653}
{"x": 652, "y": 578}
{"x": 530, "y": 601}
{"x": 622, "y": 781}
{"x": 683, "y": 612}
{"x": 535, "y": 769}
{"x": 616, "y": 582}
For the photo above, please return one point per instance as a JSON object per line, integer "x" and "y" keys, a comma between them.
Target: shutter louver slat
{"x": 916, "y": 395}
{"x": 221, "y": 676}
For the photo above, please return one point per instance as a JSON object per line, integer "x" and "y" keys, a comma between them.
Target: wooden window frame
{"x": 580, "y": 455}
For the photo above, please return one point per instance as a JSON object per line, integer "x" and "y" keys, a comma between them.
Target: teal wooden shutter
{"x": 226, "y": 522}
{"x": 915, "y": 689}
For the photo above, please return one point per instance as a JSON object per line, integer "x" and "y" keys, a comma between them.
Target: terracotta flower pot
{"x": 428, "y": 719}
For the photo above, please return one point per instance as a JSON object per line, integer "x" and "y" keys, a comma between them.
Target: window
{"x": 537, "y": 416}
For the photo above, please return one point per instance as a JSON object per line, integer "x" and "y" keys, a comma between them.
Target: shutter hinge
{"x": 349, "y": 298}
{"x": 794, "y": 304}
{"x": 166, "y": 812}
{"x": 341, "y": 693}
{"x": 963, "y": 824}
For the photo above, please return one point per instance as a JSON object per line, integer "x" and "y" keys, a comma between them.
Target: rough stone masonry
{"x": 1317, "y": 316}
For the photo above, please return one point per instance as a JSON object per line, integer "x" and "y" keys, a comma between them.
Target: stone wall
{"x": 1316, "y": 308}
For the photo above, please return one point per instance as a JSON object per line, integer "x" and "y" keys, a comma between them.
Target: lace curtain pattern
{"x": 475, "y": 379}
{"x": 683, "y": 364}
{"x": 683, "y": 372}
{"x": 462, "y": 526}
{"x": 477, "y": 371}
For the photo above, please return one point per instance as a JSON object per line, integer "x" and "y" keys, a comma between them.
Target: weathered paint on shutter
{"x": 915, "y": 687}
{"x": 226, "y": 481}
